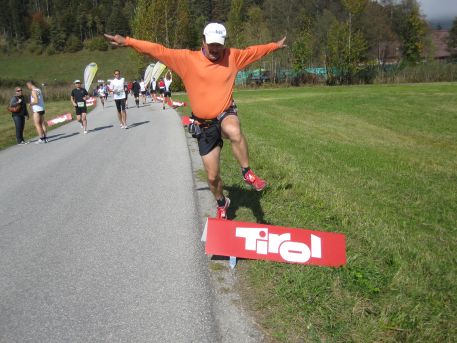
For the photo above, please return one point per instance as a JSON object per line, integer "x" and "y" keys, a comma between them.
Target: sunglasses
{"x": 18, "y": 90}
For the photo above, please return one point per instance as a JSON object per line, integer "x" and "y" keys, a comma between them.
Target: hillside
{"x": 66, "y": 67}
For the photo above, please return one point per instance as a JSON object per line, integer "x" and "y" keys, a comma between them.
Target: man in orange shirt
{"x": 209, "y": 77}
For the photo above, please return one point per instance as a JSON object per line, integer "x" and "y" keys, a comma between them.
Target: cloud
{"x": 439, "y": 9}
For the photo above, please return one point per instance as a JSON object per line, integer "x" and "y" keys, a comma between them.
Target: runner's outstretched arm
{"x": 116, "y": 40}
{"x": 281, "y": 42}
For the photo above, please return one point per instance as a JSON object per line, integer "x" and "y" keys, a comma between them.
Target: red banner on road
{"x": 59, "y": 119}
{"x": 274, "y": 243}
{"x": 173, "y": 103}
{"x": 91, "y": 101}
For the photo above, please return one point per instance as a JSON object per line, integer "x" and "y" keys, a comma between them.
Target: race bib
{"x": 81, "y": 104}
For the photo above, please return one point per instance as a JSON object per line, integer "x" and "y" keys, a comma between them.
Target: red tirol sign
{"x": 274, "y": 243}
{"x": 59, "y": 119}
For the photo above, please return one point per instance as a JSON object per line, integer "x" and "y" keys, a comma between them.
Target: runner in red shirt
{"x": 209, "y": 76}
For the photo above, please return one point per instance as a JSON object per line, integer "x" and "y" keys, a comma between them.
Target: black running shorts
{"x": 210, "y": 138}
{"x": 80, "y": 110}
{"x": 120, "y": 104}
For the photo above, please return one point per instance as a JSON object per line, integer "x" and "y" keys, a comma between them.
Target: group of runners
{"x": 208, "y": 76}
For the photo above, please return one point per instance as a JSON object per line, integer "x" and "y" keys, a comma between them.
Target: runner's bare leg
{"x": 211, "y": 162}
{"x": 231, "y": 129}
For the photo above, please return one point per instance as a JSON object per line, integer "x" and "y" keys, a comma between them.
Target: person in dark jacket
{"x": 18, "y": 101}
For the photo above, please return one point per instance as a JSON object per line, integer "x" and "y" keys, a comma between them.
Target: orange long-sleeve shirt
{"x": 209, "y": 85}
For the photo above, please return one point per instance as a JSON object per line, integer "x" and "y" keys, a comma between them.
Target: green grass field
{"x": 66, "y": 67}
{"x": 8, "y": 131}
{"x": 377, "y": 163}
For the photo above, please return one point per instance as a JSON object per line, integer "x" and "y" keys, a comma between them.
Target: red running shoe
{"x": 251, "y": 179}
{"x": 222, "y": 210}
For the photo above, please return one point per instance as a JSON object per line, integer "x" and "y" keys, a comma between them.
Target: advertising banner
{"x": 89, "y": 74}
{"x": 60, "y": 119}
{"x": 274, "y": 243}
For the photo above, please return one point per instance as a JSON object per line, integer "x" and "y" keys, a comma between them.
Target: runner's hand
{"x": 281, "y": 43}
{"x": 116, "y": 40}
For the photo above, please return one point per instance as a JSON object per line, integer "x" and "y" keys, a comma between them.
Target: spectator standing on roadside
{"x": 19, "y": 113}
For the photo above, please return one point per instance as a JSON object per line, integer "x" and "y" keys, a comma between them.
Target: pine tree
{"x": 452, "y": 42}
{"x": 235, "y": 23}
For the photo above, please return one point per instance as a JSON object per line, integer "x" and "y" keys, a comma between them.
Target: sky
{"x": 439, "y": 9}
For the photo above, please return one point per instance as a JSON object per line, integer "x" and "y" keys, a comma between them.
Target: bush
{"x": 96, "y": 44}
{"x": 423, "y": 72}
{"x": 73, "y": 44}
{"x": 50, "y": 50}
{"x": 35, "y": 48}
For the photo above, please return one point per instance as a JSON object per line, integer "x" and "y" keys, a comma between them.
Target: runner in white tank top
{"x": 37, "y": 105}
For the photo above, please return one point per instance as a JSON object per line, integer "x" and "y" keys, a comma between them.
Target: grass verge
{"x": 377, "y": 163}
{"x": 8, "y": 131}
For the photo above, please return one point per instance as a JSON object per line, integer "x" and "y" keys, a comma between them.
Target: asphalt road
{"x": 100, "y": 235}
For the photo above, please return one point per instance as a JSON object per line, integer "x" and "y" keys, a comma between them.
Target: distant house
{"x": 389, "y": 52}
{"x": 439, "y": 40}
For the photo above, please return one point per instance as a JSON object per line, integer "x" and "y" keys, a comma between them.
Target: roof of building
{"x": 439, "y": 40}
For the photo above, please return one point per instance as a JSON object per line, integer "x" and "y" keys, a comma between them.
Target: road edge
{"x": 232, "y": 319}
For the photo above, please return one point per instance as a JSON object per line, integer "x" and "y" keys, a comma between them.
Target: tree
{"x": 302, "y": 47}
{"x": 452, "y": 42}
{"x": 354, "y": 7}
{"x": 235, "y": 23}
{"x": 343, "y": 61}
{"x": 73, "y": 44}
{"x": 39, "y": 29}
{"x": 374, "y": 23}
{"x": 183, "y": 29}
{"x": 117, "y": 22}
{"x": 57, "y": 36}
{"x": 411, "y": 28}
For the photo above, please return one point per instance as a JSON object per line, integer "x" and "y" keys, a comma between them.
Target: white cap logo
{"x": 215, "y": 33}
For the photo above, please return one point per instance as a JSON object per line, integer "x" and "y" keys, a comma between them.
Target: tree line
{"x": 54, "y": 26}
{"x": 347, "y": 37}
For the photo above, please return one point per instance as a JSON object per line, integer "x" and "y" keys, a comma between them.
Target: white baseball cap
{"x": 215, "y": 33}
{"x": 77, "y": 81}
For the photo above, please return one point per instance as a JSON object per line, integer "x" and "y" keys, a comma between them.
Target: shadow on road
{"x": 63, "y": 137}
{"x": 138, "y": 124}
{"x": 101, "y": 128}
{"x": 53, "y": 136}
